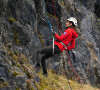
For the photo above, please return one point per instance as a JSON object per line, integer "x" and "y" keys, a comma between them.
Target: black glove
{"x": 53, "y": 32}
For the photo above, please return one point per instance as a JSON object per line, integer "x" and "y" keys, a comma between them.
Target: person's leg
{"x": 45, "y": 50}
{"x": 48, "y": 53}
{"x": 43, "y": 62}
{"x": 56, "y": 50}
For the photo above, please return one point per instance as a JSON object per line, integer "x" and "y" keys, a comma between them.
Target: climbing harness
{"x": 50, "y": 26}
{"x": 64, "y": 45}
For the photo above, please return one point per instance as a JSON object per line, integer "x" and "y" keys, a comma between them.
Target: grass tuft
{"x": 11, "y": 19}
{"x": 16, "y": 73}
{"x": 59, "y": 82}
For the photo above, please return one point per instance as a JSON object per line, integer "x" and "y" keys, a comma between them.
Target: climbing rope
{"x": 72, "y": 67}
{"x": 47, "y": 16}
{"x": 48, "y": 22}
{"x": 66, "y": 50}
{"x": 56, "y": 17}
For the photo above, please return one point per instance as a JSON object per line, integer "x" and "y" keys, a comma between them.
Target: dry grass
{"x": 59, "y": 82}
{"x": 4, "y": 84}
{"x": 53, "y": 82}
{"x": 93, "y": 55}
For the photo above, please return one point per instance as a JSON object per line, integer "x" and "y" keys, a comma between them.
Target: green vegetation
{"x": 92, "y": 53}
{"x": 52, "y": 82}
{"x": 59, "y": 82}
{"x": 29, "y": 85}
{"x": 16, "y": 37}
{"x": 11, "y": 19}
{"x": 17, "y": 88}
{"x": 62, "y": 2}
{"x": 41, "y": 39}
{"x": 80, "y": 3}
{"x": 4, "y": 84}
{"x": 28, "y": 72}
{"x": 90, "y": 45}
{"x": 16, "y": 73}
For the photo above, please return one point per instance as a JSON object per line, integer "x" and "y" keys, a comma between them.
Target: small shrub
{"x": 16, "y": 37}
{"x": 4, "y": 84}
{"x": 62, "y": 2}
{"x": 11, "y": 19}
{"x": 17, "y": 88}
{"x": 89, "y": 44}
{"x": 16, "y": 73}
{"x": 41, "y": 39}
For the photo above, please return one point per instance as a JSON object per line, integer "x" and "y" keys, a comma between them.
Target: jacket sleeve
{"x": 63, "y": 36}
{"x": 72, "y": 45}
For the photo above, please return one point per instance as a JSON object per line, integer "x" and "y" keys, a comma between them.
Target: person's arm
{"x": 63, "y": 36}
{"x": 72, "y": 46}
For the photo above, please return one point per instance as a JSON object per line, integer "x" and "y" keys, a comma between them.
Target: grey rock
{"x": 7, "y": 88}
{"x": 21, "y": 23}
{"x": 21, "y": 81}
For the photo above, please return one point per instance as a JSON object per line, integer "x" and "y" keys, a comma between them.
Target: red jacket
{"x": 67, "y": 37}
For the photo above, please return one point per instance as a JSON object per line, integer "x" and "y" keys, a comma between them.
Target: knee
{"x": 43, "y": 58}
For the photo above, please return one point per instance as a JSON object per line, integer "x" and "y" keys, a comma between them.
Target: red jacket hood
{"x": 74, "y": 34}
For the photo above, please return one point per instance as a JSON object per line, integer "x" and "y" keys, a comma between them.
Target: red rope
{"x": 72, "y": 67}
{"x": 66, "y": 50}
{"x": 56, "y": 17}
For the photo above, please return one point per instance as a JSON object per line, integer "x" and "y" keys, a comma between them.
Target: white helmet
{"x": 72, "y": 19}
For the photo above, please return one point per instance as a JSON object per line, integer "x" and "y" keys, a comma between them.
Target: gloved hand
{"x": 53, "y": 32}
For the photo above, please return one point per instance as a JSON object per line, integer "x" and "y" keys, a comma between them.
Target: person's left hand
{"x": 53, "y": 32}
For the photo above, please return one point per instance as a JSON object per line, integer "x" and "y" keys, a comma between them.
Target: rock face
{"x": 97, "y": 8}
{"x": 24, "y": 30}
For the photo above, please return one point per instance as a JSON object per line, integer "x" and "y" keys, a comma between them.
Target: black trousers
{"x": 47, "y": 53}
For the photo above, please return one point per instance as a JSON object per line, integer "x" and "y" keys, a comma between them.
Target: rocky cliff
{"x": 24, "y": 30}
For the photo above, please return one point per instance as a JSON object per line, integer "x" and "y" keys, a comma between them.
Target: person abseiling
{"x": 60, "y": 44}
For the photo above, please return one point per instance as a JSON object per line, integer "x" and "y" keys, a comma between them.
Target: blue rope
{"x": 47, "y": 16}
{"x": 48, "y": 23}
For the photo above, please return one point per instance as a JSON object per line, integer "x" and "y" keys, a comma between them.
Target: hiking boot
{"x": 46, "y": 75}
